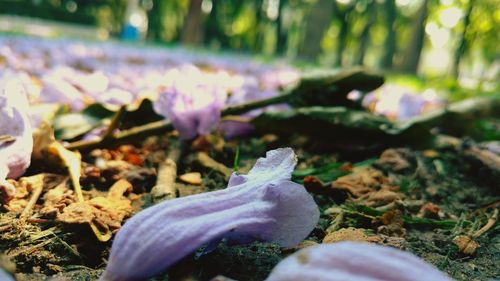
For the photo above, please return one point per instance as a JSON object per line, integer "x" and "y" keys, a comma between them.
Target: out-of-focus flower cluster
{"x": 80, "y": 73}
{"x": 401, "y": 103}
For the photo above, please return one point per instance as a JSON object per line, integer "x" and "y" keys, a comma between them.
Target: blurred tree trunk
{"x": 364, "y": 37}
{"x": 213, "y": 29}
{"x": 413, "y": 51}
{"x": 192, "y": 30}
{"x": 257, "y": 44}
{"x": 462, "y": 42}
{"x": 317, "y": 21}
{"x": 281, "y": 36}
{"x": 390, "y": 40}
{"x": 155, "y": 23}
{"x": 343, "y": 17}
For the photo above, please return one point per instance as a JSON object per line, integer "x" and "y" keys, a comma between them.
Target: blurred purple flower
{"x": 401, "y": 103}
{"x": 354, "y": 262}
{"x": 57, "y": 90}
{"x": 263, "y": 205}
{"x": 16, "y": 140}
{"x": 193, "y": 103}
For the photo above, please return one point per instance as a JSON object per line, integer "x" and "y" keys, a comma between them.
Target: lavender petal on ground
{"x": 16, "y": 140}
{"x": 351, "y": 261}
{"x": 264, "y": 204}
{"x": 4, "y": 276}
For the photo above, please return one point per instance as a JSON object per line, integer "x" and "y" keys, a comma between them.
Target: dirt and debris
{"x": 384, "y": 166}
{"x": 429, "y": 202}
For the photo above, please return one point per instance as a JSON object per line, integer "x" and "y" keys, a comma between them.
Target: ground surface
{"x": 419, "y": 201}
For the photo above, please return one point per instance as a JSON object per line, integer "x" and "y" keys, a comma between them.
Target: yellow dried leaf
{"x": 191, "y": 178}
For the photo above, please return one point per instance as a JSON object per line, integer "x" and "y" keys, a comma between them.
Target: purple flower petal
{"x": 193, "y": 103}
{"x": 15, "y": 128}
{"x": 354, "y": 262}
{"x": 57, "y": 90}
{"x": 233, "y": 128}
{"x": 264, "y": 205}
{"x": 4, "y": 276}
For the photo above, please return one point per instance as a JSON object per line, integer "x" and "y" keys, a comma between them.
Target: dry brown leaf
{"x": 72, "y": 160}
{"x": 363, "y": 180}
{"x": 78, "y": 212}
{"x": 393, "y": 224}
{"x": 465, "y": 244}
{"x": 359, "y": 235}
{"x": 429, "y": 210}
{"x": 24, "y": 186}
{"x": 193, "y": 178}
{"x": 350, "y": 234}
{"x": 382, "y": 197}
{"x": 43, "y": 137}
{"x": 7, "y": 192}
{"x": 430, "y": 153}
{"x": 117, "y": 190}
{"x": 394, "y": 159}
{"x": 107, "y": 213}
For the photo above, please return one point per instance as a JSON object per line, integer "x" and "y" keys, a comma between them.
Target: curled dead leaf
{"x": 193, "y": 178}
{"x": 394, "y": 159}
{"x": 107, "y": 213}
{"x": 350, "y": 234}
{"x": 466, "y": 244}
{"x": 363, "y": 180}
{"x": 429, "y": 210}
{"x": 393, "y": 224}
{"x": 382, "y": 197}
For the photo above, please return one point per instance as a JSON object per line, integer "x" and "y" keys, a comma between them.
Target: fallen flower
{"x": 16, "y": 140}
{"x": 354, "y": 262}
{"x": 263, "y": 205}
{"x": 193, "y": 103}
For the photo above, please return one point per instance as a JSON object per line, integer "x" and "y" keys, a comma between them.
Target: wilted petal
{"x": 57, "y": 90}
{"x": 16, "y": 140}
{"x": 234, "y": 128}
{"x": 4, "y": 276}
{"x": 193, "y": 103}
{"x": 354, "y": 262}
{"x": 264, "y": 205}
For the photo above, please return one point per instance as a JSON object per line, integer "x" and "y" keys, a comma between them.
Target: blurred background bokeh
{"x": 454, "y": 42}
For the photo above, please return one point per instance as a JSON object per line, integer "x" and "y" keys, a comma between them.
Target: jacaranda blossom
{"x": 16, "y": 140}
{"x": 192, "y": 103}
{"x": 263, "y": 205}
{"x": 354, "y": 261}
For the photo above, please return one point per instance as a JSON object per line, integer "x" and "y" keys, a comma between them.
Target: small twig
{"x": 66, "y": 245}
{"x": 206, "y": 161}
{"x": 37, "y": 186}
{"x": 153, "y": 128}
{"x": 115, "y": 122}
{"x": 245, "y": 107}
{"x": 6, "y": 139}
{"x": 163, "y": 126}
{"x": 236, "y": 118}
{"x": 316, "y": 89}
{"x": 335, "y": 225}
{"x": 30, "y": 249}
{"x": 491, "y": 222}
{"x": 167, "y": 174}
{"x": 236, "y": 162}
